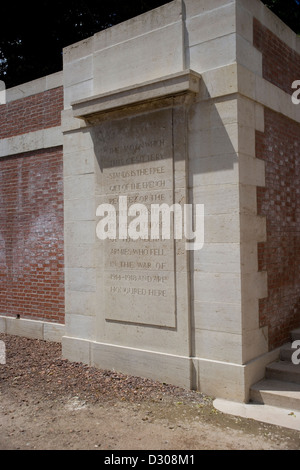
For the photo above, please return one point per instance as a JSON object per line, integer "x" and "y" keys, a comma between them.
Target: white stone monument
{"x": 163, "y": 109}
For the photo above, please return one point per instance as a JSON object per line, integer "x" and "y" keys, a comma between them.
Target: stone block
{"x": 217, "y": 287}
{"x": 248, "y": 56}
{"x": 80, "y": 303}
{"x": 254, "y": 285}
{"x": 217, "y": 258}
{"x": 253, "y": 228}
{"x": 223, "y": 228}
{"x": 165, "y": 368}
{"x": 227, "y": 380}
{"x": 79, "y": 162}
{"x": 136, "y": 27}
{"x": 80, "y": 232}
{"x": 26, "y": 89}
{"x": 220, "y": 81}
{"x": 251, "y": 171}
{"x": 218, "y": 345}
{"x": 210, "y": 24}
{"x": 28, "y": 328}
{"x": 223, "y": 199}
{"x": 77, "y": 141}
{"x": 255, "y": 343}
{"x": 214, "y": 170}
{"x": 81, "y": 279}
{"x": 259, "y": 118}
{"x": 249, "y": 257}
{"x": 79, "y": 187}
{"x": 3, "y": 324}
{"x": 139, "y": 60}
{"x": 215, "y": 141}
{"x": 244, "y": 23}
{"x": 217, "y": 113}
{"x": 77, "y": 92}
{"x": 194, "y": 7}
{"x": 76, "y": 350}
{"x": 79, "y": 209}
{"x": 78, "y": 71}
{"x": 217, "y": 316}
{"x": 54, "y": 80}
{"x": 80, "y": 326}
{"x": 42, "y": 139}
{"x": 213, "y": 54}
{"x": 82, "y": 255}
{"x": 53, "y": 332}
{"x": 248, "y": 199}
{"x": 78, "y": 50}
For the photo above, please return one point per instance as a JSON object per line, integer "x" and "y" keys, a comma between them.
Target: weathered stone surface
{"x": 135, "y": 161}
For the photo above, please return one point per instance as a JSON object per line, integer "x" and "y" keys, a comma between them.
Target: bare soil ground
{"x": 47, "y": 403}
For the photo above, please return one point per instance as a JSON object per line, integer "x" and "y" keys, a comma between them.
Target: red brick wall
{"x": 31, "y": 214}
{"x": 31, "y": 235}
{"x": 32, "y": 113}
{"x": 279, "y": 146}
{"x": 281, "y": 64}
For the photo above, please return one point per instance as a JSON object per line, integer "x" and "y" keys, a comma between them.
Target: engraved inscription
{"x": 135, "y": 160}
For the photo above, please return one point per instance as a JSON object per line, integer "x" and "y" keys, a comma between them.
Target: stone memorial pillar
{"x": 165, "y": 110}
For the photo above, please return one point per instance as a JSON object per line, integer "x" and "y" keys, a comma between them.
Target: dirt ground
{"x": 47, "y": 403}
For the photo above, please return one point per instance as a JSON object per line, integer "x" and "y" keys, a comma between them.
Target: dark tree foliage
{"x": 287, "y": 10}
{"x": 33, "y": 34}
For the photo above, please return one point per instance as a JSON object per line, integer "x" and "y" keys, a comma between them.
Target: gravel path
{"x": 51, "y": 403}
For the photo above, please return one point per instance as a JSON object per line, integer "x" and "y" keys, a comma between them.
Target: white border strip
{"x": 33, "y": 329}
{"x": 42, "y": 139}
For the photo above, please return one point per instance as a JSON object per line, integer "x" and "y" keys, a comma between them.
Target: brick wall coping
{"x": 33, "y": 87}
